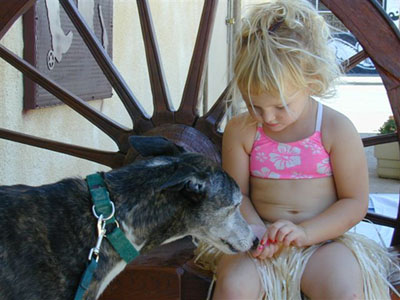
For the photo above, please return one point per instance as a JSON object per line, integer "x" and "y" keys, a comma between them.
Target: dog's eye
{"x": 197, "y": 187}
{"x": 232, "y": 209}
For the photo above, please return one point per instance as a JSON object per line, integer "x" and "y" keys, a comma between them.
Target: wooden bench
{"x": 169, "y": 272}
{"x": 165, "y": 273}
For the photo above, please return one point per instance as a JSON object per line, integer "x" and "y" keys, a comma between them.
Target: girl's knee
{"x": 333, "y": 272}
{"x": 237, "y": 287}
{"x": 237, "y": 278}
{"x": 334, "y": 289}
{"x": 351, "y": 295}
{"x": 343, "y": 294}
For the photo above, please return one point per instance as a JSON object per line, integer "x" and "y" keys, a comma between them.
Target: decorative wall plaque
{"x": 53, "y": 45}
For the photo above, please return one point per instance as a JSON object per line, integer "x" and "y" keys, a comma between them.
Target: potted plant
{"x": 388, "y": 155}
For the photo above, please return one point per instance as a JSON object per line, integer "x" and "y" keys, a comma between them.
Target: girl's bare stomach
{"x": 294, "y": 200}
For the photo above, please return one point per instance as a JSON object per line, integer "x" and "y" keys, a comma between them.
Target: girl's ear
{"x": 154, "y": 146}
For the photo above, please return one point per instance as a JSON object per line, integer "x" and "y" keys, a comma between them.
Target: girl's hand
{"x": 259, "y": 230}
{"x": 265, "y": 248}
{"x": 287, "y": 233}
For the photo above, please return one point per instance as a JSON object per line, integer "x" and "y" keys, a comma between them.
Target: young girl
{"x": 300, "y": 166}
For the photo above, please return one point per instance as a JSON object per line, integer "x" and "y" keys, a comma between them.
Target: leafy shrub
{"x": 388, "y": 127}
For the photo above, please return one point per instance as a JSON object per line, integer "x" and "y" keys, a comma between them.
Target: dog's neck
{"x": 146, "y": 221}
{"x": 148, "y": 226}
{"x": 142, "y": 240}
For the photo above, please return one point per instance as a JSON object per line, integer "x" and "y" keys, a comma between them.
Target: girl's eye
{"x": 280, "y": 107}
{"x": 257, "y": 111}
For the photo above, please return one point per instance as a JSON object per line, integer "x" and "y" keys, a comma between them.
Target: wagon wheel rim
{"x": 185, "y": 126}
{"x": 381, "y": 43}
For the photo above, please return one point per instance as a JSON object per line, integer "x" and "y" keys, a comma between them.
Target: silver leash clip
{"x": 101, "y": 232}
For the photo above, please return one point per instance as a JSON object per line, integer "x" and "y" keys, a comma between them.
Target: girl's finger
{"x": 283, "y": 232}
{"x": 268, "y": 251}
{"x": 264, "y": 254}
{"x": 289, "y": 239}
{"x": 260, "y": 248}
{"x": 273, "y": 249}
{"x": 273, "y": 229}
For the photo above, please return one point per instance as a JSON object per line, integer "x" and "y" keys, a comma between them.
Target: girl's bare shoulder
{"x": 241, "y": 129}
{"x": 336, "y": 127}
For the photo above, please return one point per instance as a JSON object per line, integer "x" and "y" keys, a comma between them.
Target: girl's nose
{"x": 268, "y": 116}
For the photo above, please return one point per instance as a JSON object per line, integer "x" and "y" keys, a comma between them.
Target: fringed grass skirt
{"x": 281, "y": 274}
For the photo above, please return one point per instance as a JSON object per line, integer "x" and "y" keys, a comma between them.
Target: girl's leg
{"x": 333, "y": 272}
{"x": 237, "y": 278}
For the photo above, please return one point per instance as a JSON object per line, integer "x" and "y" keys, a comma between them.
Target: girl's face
{"x": 271, "y": 112}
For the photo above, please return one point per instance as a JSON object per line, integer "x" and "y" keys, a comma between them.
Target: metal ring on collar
{"x": 109, "y": 217}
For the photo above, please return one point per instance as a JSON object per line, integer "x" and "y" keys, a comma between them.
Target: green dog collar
{"x": 104, "y": 206}
{"x": 103, "y": 210}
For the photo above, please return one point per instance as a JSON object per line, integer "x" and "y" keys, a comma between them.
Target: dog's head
{"x": 211, "y": 196}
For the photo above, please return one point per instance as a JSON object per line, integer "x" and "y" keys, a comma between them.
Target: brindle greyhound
{"x": 48, "y": 231}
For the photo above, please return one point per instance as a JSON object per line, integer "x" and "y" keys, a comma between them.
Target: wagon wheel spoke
{"x": 111, "y": 159}
{"x": 380, "y": 139}
{"x": 137, "y": 113}
{"x": 108, "y": 126}
{"x": 161, "y": 99}
{"x": 210, "y": 122}
{"x": 11, "y": 11}
{"x": 353, "y": 61}
{"x": 187, "y": 112}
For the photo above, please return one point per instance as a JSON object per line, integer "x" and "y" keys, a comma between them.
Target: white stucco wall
{"x": 176, "y": 25}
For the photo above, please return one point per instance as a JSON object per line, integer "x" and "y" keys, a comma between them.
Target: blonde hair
{"x": 284, "y": 41}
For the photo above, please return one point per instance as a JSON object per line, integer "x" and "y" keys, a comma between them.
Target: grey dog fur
{"x": 47, "y": 231}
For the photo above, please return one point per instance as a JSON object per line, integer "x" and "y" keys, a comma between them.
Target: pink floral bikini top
{"x": 302, "y": 159}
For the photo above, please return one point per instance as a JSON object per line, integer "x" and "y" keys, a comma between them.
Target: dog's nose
{"x": 255, "y": 243}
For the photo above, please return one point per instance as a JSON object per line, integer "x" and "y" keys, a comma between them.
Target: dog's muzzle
{"x": 230, "y": 246}
{"x": 255, "y": 243}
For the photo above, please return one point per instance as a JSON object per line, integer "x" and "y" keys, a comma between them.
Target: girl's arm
{"x": 235, "y": 161}
{"x": 237, "y": 142}
{"x": 350, "y": 173}
{"x": 351, "y": 180}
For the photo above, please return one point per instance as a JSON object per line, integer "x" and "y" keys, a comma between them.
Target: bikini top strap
{"x": 319, "y": 117}
{"x": 259, "y": 130}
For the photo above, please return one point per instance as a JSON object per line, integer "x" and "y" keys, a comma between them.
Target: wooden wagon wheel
{"x": 373, "y": 29}
{"x": 183, "y": 126}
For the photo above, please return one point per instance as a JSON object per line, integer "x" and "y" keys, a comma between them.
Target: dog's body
{"x": 48, "y": 231}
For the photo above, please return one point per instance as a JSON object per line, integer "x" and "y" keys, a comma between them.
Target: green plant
{"x": 388, "y": 127}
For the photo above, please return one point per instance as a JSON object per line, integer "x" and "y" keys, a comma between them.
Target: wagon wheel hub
{"x": 191, "y": 139}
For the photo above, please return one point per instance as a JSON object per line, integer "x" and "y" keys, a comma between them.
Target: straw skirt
{"x": 281, "y": 274}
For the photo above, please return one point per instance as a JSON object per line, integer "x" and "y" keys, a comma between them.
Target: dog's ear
{"x": 186, "y": 178}
{"x": 154, "y": 146}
